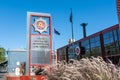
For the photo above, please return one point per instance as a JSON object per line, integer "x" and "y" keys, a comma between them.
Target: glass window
{"x": 118, "y": 30}
{"x": 71, "y": 53}
{"x": 86, "y": 45}
{"x": 95, "y": 46}
{"x": 111, "y": 42}
{"x": 62, "y": 54}
{"x": 118, "y": 38}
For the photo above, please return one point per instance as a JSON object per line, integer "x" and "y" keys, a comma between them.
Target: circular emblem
{"x": 40, "y": 25}
{"x": 77, "y": 50}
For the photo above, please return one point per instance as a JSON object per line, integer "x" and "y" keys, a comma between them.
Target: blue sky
{"x": 99, "y": 14}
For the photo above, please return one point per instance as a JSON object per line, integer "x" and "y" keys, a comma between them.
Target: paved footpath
{"x": 2, "y": 77}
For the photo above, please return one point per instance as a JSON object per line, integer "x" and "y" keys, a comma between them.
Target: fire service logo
{"x": 40, "y": 25}
{"x": 77, "y": 50}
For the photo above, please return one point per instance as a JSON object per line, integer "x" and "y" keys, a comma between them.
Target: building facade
{"x": 17, "y": 55}
{"x": 105, "y": 43}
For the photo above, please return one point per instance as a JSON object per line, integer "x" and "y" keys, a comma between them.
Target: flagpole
{"x": 72, "y": 31}
{"x": 71, "y": 20}
{"x": 72, "y": 36}
{"x": 72, "y": 25}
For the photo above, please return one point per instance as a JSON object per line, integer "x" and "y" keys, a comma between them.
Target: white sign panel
{"x": 40, "y": 42}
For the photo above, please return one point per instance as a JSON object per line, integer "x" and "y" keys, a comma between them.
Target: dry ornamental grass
{"x": 85, "y": 69}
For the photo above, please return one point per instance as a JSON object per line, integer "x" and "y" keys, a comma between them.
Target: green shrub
{"x": 2, "y": 58}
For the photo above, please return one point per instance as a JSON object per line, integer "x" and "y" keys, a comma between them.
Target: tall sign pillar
{"x": 39, "y": 39}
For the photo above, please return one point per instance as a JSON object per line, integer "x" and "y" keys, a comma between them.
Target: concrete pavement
{"x": 2, "y": 76}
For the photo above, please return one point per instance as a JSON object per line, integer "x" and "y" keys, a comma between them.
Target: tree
{"x": 2, "y": 54}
